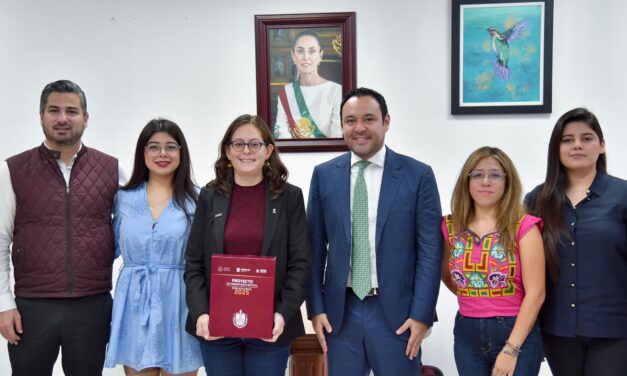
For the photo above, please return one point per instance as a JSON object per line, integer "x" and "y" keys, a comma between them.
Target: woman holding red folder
{"x": 249, "y": 209}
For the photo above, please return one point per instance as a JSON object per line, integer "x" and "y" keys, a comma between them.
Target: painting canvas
{"x": 501, "y": 64}
{"x": 323, "y": 99}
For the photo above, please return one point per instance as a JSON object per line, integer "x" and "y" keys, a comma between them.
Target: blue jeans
{"x": 478, "y": 341}
{"x": 244, "y": 357}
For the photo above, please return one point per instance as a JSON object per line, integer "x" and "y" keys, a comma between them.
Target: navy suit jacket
{"x": 408, "y": 241}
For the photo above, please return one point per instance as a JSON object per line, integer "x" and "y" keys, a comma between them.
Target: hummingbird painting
{"x": 500, "y": 46}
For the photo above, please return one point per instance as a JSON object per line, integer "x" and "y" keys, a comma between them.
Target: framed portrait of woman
{"x": 305, "y": 64}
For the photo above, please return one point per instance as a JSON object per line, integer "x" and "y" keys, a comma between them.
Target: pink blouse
{"x": 488, "y": 276}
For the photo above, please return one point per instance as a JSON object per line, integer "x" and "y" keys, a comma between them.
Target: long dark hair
{"x": 551, "y": 195}
{"x": 274, "y": 171}
{"x": 184, "y": 187}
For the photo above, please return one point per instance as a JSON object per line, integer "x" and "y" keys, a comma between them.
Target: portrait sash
{"x": 295, "y": 107}
{"x": 286, "y": 106}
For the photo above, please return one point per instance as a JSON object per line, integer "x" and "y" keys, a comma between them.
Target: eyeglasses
{"x": 253, "y": 146}
{"x": 493, "y": 176}
{"x": 155, "y": 149}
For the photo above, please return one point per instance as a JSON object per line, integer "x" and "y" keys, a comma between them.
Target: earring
{"x": 267, "y": 164}
{"x": 229, "y": 165}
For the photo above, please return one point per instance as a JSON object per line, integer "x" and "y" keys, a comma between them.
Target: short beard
{"x": 73, "y": 138}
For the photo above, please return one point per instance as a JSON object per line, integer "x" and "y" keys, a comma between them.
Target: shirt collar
{"x": 378, "y": 159}
{"x": 599, "y": 183}
{"x": 73, "y": 158}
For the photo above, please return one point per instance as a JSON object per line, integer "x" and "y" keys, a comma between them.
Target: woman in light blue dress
{"x": 152, "y": 219}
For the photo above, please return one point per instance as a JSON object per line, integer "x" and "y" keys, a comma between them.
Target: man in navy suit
{"x": 375, "y": 322}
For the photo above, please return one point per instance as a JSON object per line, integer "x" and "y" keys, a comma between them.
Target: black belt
{"x": 373, "y": 291}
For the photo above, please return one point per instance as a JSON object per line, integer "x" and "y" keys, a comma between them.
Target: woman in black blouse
{"x": 584, "y": 318}
{"x": 249, "y": 209}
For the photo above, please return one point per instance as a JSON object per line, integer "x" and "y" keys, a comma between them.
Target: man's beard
{"x": 70, "y": 138}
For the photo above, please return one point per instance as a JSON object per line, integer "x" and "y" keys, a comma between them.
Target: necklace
{"x": 156, "y": 204}
{"x": 483, "y": 231}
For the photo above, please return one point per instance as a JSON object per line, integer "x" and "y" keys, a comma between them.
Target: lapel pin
{"x": 273, "y": 210}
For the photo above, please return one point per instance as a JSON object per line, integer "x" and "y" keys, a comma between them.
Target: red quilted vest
{"x": 62, "y": 239}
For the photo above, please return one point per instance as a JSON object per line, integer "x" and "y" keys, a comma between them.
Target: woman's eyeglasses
{"x": 493, "y": 176}
{"x": 253, "y": 146}
{"x": 155, "y": 149}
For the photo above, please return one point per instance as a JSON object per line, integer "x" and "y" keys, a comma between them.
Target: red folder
{"x": 241, "y": 299}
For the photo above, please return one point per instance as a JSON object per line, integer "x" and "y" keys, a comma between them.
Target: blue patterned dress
{"x": 149, "y": 310}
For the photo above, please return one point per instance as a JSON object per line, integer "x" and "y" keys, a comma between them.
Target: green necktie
{"x": 360, "y": 255}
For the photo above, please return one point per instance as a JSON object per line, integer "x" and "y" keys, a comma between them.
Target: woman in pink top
{"x": 494, "y": 262}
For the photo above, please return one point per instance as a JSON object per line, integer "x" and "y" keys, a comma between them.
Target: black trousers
{"x": 585, "y": 356}
{"x": 79, "y": 326}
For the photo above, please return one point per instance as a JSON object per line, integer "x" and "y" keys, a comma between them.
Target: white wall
{"x": 194, "y": 62}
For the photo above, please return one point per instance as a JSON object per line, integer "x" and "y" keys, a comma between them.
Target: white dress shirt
{"x": 7, "y": 217}
{"x": 373, "y": 174}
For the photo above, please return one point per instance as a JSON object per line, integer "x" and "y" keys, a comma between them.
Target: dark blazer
{"x": 285, "y": 236}
{"x": 408, "y": 240}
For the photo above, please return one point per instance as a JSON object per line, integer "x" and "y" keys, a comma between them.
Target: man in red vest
{"x": 55, "y": 214}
